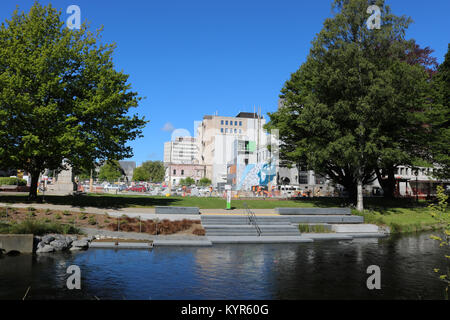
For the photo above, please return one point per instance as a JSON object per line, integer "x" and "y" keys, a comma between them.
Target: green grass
{"x": 316, "y": 228}
{"x": 402, "y": 220}
{"x": 136, "y": 201}
{"x": 37, "y": 228}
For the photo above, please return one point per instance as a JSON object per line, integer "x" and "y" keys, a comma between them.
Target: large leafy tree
{"x": 149, "y": 171}
{"x": 355, "y": 92}
{"x": 111, "y": 171}
{"x": 438, "y": 139}
{"x": 60, "y": 96}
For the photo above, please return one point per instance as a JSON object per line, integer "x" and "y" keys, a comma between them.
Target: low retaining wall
{"x": 310, "y": 211}
{"x": 16, "y": 242}
{"x": 177, "y": 210}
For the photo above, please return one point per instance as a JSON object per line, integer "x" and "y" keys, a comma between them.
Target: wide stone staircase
{"x": 283, "y": 226}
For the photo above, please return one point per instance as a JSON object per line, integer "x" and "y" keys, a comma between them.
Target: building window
{"x": 182, "y": 172}
{"x": 174, "y": 171}
{"x": 240, "y": 130}
{"x": 235, "y": 130}
{"x": 226, "y": 122}
{"x": 221, "y": 130}
{"x": 221, "y": 122}
{"x": 235, "y": 123}
{"x": 226, "y": 130}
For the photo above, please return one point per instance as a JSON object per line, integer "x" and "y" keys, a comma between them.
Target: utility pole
{"x": 91, "y": 182}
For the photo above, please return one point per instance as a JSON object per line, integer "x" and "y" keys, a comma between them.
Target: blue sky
{"x": 198, "y": 57}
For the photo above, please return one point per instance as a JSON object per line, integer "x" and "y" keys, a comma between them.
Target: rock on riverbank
{"x": 59, "y": 242}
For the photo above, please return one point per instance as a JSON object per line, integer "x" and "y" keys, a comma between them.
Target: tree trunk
{"x": 34, "y": 185}
{"x": 388, "y": 184}
{"x": 359, "y": 202}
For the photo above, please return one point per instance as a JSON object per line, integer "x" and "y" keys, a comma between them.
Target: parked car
{"x": 137, "y": 189}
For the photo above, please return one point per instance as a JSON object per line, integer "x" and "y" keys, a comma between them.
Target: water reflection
{"x": 320, "y": 270}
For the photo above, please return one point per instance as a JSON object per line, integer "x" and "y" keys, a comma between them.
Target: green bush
{"x": 38, "y": 228}
{"x": 12, "y": 181}
{"x": 57, "y": 216}
{"x": 92, "y": 220}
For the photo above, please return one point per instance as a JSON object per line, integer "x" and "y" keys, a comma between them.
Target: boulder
{"x": 76, "y": 248}
{"x": 80, "y": 243}
{"x": 45, "y": 249}
{"x": 48, "y": 238}
{"x": 40, "y": 245}
{"x": 59, "y": 245}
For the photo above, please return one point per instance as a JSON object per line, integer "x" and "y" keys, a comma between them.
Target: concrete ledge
{"x": 256, "y": 239}
{"x": 177, "y": 210}
{"x": 312, "y": 211}
{"x": 121, "y": 245}
{"x": 16, "y": 242}
{"x": 182, "y": 243}
{"x": 326, "y": 236}
{"x": 368, "y": 235}
{"x": 356, "y": 228}
{"x": 301, "y": 219}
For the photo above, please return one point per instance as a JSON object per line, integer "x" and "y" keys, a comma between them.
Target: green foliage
{"x": 110, "y": 171}
{"x": 204, "y": 182}
{"x": 66, "y": 213}
{"x": 12, "y": 181}
{"x": 37, "y": 228}
{"x": 60, "y": 96}
{"x": 187, "y": 182}
{"x": 92, "y": 220}
{"x": 351, "y": 106}
{"x": 441, "y": 214}
{"x": 149, "y": 171}
{"x": 82, "y": 216}
{"x": 58, "y": 216}
{"x": 438, "y": 139}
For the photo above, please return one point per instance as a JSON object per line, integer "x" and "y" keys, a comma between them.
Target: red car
{"x": 137, "y": 189}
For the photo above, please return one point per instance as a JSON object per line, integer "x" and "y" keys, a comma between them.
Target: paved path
{"x": 145, "y": 213}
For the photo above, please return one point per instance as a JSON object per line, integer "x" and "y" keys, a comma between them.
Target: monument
{"x": 64, "y": 183}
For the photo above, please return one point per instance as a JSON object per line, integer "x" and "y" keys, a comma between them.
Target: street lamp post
{"x": 416, "y": 173}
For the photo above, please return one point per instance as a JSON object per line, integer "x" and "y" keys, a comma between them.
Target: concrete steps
{"x": 313, "y": 211}
{"x": 355, "y": 228}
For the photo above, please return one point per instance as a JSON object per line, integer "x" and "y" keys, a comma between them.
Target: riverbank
{"x": 399, "y": 215}
{"x": 404, "y": 220}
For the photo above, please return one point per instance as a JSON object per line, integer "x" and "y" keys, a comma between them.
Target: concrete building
{"x": 216, "y": 136}
{"x": 175, "y": 172}
{"x": 183, "y": 150}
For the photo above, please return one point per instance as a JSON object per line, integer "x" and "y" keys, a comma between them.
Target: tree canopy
{"x": 149, "y": 171}
{"x": 355, "y": 102}
{"x": 110, "y": 171}
{"x": 60, "y": 96}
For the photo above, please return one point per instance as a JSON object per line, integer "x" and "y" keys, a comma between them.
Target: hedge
{"x": 12, "y": 181}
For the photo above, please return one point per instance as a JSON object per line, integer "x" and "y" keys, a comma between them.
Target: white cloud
{"x": 168, "y": 127}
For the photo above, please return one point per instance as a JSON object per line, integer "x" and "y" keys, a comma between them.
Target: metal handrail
{"x": 252, "y": 219}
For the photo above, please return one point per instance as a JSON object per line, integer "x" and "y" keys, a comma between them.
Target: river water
{"x": 320, "y": 270}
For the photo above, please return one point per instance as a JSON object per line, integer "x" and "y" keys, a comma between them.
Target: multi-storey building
{"x": 216, "y": 136}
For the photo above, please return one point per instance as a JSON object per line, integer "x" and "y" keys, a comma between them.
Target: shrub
{"x": 92, "y": 220}
{"x": 31, "y": 209}
{"x": 57, "y": 216}
{"x": 82, "y": 216}
{"x": 31, "y": 214}
{"x": 66, "y": 213}
{"x": 40, "y": 228}
{"x": 12, "y": 181}
{"x": 48, "y": 212}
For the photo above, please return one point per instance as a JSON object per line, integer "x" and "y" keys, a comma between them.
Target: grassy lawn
{"x": 139, "y": 201}
{"x": 402, "y": 220}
